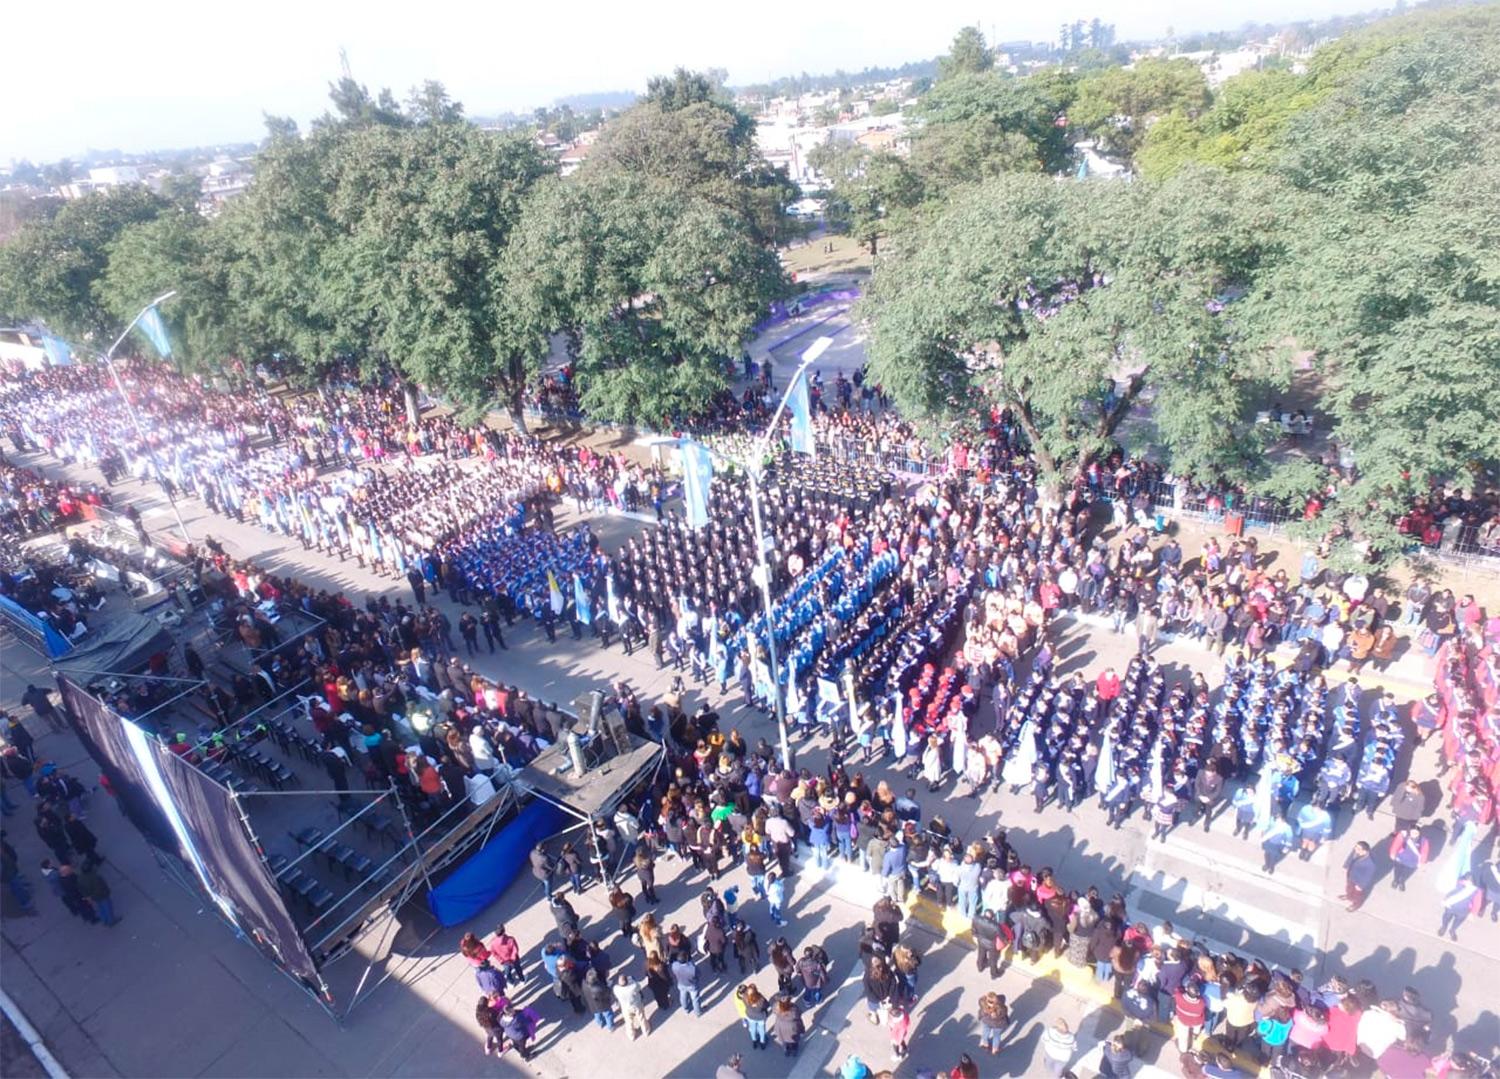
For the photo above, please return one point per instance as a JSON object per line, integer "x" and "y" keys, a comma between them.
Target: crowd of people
{"x": 914, "y": 622}
{"x": 724, "y": 805}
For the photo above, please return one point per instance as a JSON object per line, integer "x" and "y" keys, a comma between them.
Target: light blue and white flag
{"x": 57, "y": 350}
{"x": 155, "y": 329}
{"x": 1459, "y": 862}
{"x": 581, "y": 601}
{"x": 1104, "y": 770}
{"x": 800, "y": 407}
{"x": 697, "y": 475}
{"x": 612, "y": 601}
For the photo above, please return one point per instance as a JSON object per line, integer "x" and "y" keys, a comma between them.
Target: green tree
{"x": 683, "y": 89}
{"x": 978, "y": 126}
{"x": 51, "y": 268}
{"x": 1243, "y": 129}
{"x": 354, "y": 106}
{"x": 178, "y": 250}
{"x": 281, "y": 232}
{"x": 181, "y": 189}
{"x": 24, "y": 172}
{"x": 18, "y": 208}
{"x": 430, "y": 104}
{"x": 1118, "y": 105}
{"x": 684, "y": 135}
{"x": 59, "y": 172}
{"x": 1392, "y": 282}
{"x": 1402, "y": 310}
{"x": 655, "y": 286}
{"x": 422, "y": 217}
{"x": 870, "y": 190}
{"x": 1035, "y": 295}
{"x": 968, "y": 55}
{"x": 1250, "y": 123}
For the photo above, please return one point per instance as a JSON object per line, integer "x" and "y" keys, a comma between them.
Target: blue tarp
{"x": 479, "y": 881}
{"x": 55, "y": 643}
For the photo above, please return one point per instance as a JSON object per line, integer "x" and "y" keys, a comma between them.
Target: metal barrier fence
{"x": 1191, "y": 502}
{"x": 1466, "y": 554}
{"x": 861, "y": 451}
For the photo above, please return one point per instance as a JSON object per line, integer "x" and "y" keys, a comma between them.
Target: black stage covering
{"x": 102, "y": 733}
{"x": 599, "y": 790}
{"x": 123, "y": 647}
{"x": 216, "y": 845}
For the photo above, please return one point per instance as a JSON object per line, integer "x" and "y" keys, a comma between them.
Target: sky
{"x": 179, "y": 74}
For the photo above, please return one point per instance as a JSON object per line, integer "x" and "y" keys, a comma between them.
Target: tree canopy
{"x": 1067, "y": 302}
{"x": 968, "y": 55}
{"x": 176, "y": 251}
{"x": 655, "y": 286}
{"x": 1118, "y": 105}
{"x": 1343, "y": 211}
{"x": 686, "y": 134}
{"x": 51, "y": 267}
{"x": 976, "y": 126}
{"x": 870, "y": 190}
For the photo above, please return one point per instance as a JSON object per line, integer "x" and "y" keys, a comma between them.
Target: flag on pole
{"x": 612, "y": 601}
{"x": 1104, "y": 770}
{"x": 554, "y": 594}
{"x": 581, "y": 601}
{"x": 1265, "y": 796}
{"x": 155, "y": 329}
{"x": 1459, "y": 862}
{"x": 697, "y": 475}
{"x": 57, "y": 350}
{"x": 801, "y": 409}
{"x": 1017, "y": 768}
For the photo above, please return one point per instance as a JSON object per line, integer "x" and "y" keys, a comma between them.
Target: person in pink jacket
{"x": 1408, "y": 854}
{"x": 898, "y": 1025}
{"x": 1309, "y": 1027}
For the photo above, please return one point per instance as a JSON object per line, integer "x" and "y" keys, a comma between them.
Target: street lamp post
{"x": 753, "y": 471}
{"x": 109, "y": 362}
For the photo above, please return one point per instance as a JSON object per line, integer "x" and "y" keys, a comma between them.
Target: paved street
{"x": 169, "y": 991}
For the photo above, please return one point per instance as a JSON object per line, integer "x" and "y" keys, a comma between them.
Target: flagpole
{"x": 109, "y": 362}
{"x": 753, "y": 474}
{"x": 753, "y": 471}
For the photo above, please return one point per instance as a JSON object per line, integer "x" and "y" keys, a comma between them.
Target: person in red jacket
{"x": 1190, "y": 1015}
{"x": 506, "y": 952}
{"x": 1107, "y": 685}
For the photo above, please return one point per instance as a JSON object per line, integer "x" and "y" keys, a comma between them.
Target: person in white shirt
{"x": 1379, "y": 1029}
{"x": 995, "y": 894}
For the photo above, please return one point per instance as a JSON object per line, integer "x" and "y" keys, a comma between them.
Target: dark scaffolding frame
{"x": 459, "y": 829}
{"x": 590, "y": 800}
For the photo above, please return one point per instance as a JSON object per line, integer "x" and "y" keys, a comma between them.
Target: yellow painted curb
{"x": 1079, "y": 981}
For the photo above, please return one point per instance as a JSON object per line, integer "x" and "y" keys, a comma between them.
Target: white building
{"x": 114, "y": 176}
